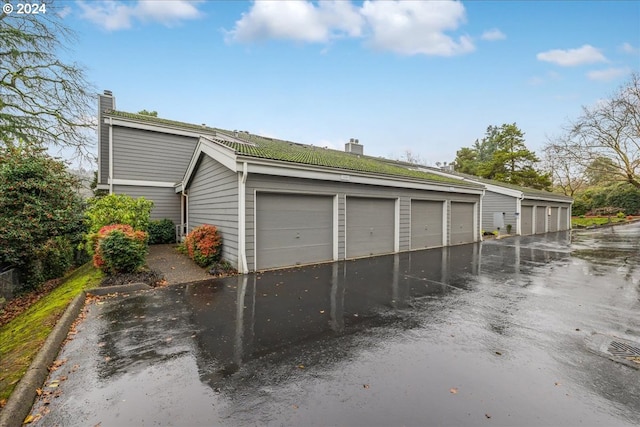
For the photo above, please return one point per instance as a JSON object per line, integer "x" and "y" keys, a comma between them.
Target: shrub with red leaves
{"x": 118, "y": 248}
{"x": 204, "y": 245}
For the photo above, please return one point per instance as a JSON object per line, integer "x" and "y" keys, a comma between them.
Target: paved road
{"x": 498, "y": 333}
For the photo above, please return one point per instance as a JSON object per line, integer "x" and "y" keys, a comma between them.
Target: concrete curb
{"x": 131, "y": 287}
{"x": 21, "y": 400}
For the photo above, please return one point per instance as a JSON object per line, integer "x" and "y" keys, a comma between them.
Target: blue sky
{"x": 423, "y": 76}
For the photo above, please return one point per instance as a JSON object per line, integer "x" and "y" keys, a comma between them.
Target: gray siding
{"x": 105, "y": 103}
{"x": 166, "y": 203}
{"x": 494, "y": 202}
{"x": 342, "y": 189}
{"x": 213, "y": 199}
{"x": 150, "y": 156}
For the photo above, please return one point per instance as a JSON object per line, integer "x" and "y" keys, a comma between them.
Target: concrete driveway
{"x": 507, "y": 332}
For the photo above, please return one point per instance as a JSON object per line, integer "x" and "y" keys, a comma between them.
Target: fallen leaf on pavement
{"x": 487, "y": 415}
{"x": 453, "y": 390}
{"x": 365, "y": 385}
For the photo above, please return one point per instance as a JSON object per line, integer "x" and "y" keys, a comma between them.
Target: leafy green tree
{"x": 38, "y": 204}
{"x": 503, "y": 156}
{"x": 118, "y": 209}
{"x": 467, "y": 161}
{"x": 41, "y": 97}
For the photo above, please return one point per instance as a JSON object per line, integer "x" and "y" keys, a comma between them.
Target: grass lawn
{"x": 595, "y": 220}
{"x": 22, "y": 338}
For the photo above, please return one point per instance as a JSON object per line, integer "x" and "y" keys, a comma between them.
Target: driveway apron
{"x": 494, "y": 333}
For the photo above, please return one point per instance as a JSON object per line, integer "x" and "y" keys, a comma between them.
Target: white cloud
{"x": 493, "y": 35}
{"x": 297, "y": 20}
{"x": 117, "y": 15}
{"x": 586, "y": 54}
{"x": 416, "y": 27}
{"x": 64, "y": 12}
{"x": 405, "y": 27}
{"x": 608, "y": 74}
{"x": 628, "y": 48}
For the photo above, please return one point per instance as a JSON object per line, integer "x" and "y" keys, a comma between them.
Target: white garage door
{"x": 293, "y": 229}
{"x": 462, "y": 223}
{"x": 426, "y": 224}
{"x": 553, "y": 219}
{"x": 541, "y": 218}
{"x": 526, "y": 220}
{"x": 564, "y": 223}
{"x": 370, "y": 226}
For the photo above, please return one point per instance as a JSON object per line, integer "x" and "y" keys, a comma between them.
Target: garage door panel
{"x": 370, "y": 226}
{"x": 293, "y": 229}
{"x": 553, "y": 220}
{"x": 426, "y": 224}
{"x": 564, "y": 212}
{"x": 541, "y": 215}
{"x": 462, "y": 223}
{"x": 526, "y": 223}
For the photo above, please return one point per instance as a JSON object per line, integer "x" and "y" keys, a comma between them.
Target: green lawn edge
{"x": 22, "y": 338}
{"x": 577, "y": 222}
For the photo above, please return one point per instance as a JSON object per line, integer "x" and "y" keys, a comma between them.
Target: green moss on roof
{"x": 274, "y": 149}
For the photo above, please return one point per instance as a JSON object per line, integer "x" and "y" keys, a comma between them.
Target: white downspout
{"x": 519, "y": 215}
{"x": 242, "y": 232}
{"x": 110, "y": 155}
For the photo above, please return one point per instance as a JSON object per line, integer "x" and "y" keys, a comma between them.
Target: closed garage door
{"x": 564, "y": 223}
{"x": 526, "y": 224}
{"x": 293, "y": 229}
{"x": 541, "y": 217}
{"x": 553, "y": 220}
{"x": 370, "y": 226}
{"x": 461, "y": 223}
{"x": 426, "y": 224}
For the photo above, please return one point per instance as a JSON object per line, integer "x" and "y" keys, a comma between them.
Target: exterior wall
{"x": 105, "y": 102}
{"x": 256, "y": 183}
{"x": 495, "y": 202}
{"x": 213, "y": 199}
{"x": 557, "y": 209}
{"x": 150, "y": 156}
{"x": 166, "y": 203}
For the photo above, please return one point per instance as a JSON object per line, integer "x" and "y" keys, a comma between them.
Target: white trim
{"x": 157, "y": 127}
{"x": 491, "y": 187}
{"x": 396, "y": 226}
{"x": 445, "y": 221}
{"x": 475, "y": 222}
{"x": 519, "y": 217}
{"x": 336, "y": 207}
{"x": 480, "y": 219}
{"x": 242, "y": 217}
{"x": 110, "y": 178}
{"x": 255, "y": 230}
{"x": 102, "y": 187}
{"x": 218, "y": 152}
{"x": 545, "y": 199}
{"x": 142, "y": 183}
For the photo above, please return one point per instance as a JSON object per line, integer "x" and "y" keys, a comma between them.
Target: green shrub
{"x": 620, "y": 215}
{"x": 57, "y": 257}
{"x": 118, "y": 209}
{"x": 38, "y": 202}
{"x": 162, "y": 231}
{"x": 509, "y": 227}
{"x": 119, "y": 248}
{"x": 204, "y": 245}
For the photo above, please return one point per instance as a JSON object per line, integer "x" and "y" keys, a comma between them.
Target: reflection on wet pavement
{"x": 490, "y": 332}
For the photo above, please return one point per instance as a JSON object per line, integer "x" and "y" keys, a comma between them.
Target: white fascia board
{"x": 220, "y": 153}
{"x": 548, "y": 199}
{"x": 266, "y": 167}
{"x": 502, "y": 190}
{"x": 491, "y": 187}
{"x": 142, "y": 183}
{"x": 156, "y": 127}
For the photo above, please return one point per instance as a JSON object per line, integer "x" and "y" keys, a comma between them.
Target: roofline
{"x": 157, "y": 126}
{"x": 234, "y": 161}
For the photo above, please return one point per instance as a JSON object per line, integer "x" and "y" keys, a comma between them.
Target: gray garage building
{"x": 279, "y": 203}
{"x": 527, "y": 210}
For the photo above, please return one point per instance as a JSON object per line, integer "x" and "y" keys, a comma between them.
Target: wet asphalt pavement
{"x": 489, "y": 334}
